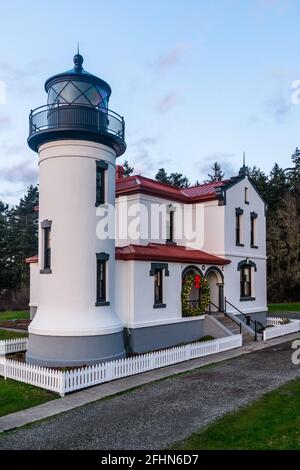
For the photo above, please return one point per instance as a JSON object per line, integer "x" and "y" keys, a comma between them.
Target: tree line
{"x": 280, "y": 190}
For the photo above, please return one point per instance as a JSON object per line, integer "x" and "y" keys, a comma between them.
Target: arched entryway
{"x": 216, "y": 285}
{"x": 195, "y": 294}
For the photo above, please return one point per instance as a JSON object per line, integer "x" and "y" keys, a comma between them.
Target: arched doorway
{"x": 216, "y": 285}
{"x": 195, "y": 294}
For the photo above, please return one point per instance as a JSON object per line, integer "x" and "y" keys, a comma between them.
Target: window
{"x": 157, "y": 270}
{"x": 101, "y": 166}
{"x": 170, "y": 227}
{"x": 238, "y": 216}
{"x": 253, "y": 217}
{"x": 246, "y": 196}
{"x": 46, "y": 246}
{"x": 245, "y": 281}
{"x": 102, "y": 259}
{"x": 158, "y": 286}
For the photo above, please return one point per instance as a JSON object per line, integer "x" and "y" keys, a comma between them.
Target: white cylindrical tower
{"x": 77, "y": 139}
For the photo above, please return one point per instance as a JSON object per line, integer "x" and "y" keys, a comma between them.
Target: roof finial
{"x": 78, "y": 60}
{"x": 243, "y": 170}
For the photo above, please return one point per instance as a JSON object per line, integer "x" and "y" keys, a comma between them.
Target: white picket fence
{"x": 97, "y": 374}
{"x": 39, "y": 376}
{"x": 280, "y": 329}
{"x": 13, "y": 345}
{"x": 277, "y": 321}
{"x": 65, "y": 382}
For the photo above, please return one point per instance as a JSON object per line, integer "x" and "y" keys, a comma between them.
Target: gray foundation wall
{"x": 212, "y": 327}
{"x": 32, "y": 312}
{"x": 146, "y": 339}
{"x": 259, "y": 316}
{"x": 60, "y": 351}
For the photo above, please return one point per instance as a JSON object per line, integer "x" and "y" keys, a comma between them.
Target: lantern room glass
{"x": 77, "y": 92}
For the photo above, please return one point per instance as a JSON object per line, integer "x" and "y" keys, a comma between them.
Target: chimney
{"x": 119, "y": 172}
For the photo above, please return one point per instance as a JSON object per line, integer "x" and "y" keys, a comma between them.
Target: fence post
{"x": 188, "y": 351}
{"x": 62, "y": 384}
{"x": 5, "y": 368}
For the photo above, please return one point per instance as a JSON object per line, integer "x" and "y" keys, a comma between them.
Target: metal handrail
{"x": 248, "y": 318}
{"x": 76, "y": 116}
{"x": 214, "y": 305}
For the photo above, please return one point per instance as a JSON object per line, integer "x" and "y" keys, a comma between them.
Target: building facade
{"x": 115, "y": 253}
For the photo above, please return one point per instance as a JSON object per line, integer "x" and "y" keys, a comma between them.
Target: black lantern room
{"x": 77, "y": 108}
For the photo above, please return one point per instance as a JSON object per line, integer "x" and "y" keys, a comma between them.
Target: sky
{"x": 196, "y": 81}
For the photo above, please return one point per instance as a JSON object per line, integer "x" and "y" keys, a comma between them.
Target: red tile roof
{"x": 140, "y": 184}
{"x": 161, "y": 252}
{"x": 32, "y": 259}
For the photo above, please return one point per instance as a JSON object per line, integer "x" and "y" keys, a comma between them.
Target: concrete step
{"x": 233, "y": 327}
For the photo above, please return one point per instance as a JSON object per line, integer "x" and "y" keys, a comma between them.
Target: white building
{"x": 96, "y": 295}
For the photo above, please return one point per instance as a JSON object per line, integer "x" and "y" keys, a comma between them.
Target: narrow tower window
{"x": 46, "y": 246}
{"x": 246, "y": 196}
{"x": 245, "y": 282}
{"x": 158, "y": 286}
{"x": 101, "y": 293}
{"x": 238, "y": 228}
{"x": 253, "y": 227}
{"x": 101, "y": 166}
{"x": 170, "y": 227}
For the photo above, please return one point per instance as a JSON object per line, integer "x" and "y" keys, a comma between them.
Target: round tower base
{"x": 70, "y": 351}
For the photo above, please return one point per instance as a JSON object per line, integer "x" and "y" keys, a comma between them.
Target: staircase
{"x": 234, "y": 327}
{"x": 252, "y": 330}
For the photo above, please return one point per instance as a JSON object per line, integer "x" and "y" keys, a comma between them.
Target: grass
{"x": 286, "y": 307}
{"x": 16, "y": 396}
{"x": 14, "y": 315}
{"x": 270, "y": 423}
{"x": 5, "y": 334}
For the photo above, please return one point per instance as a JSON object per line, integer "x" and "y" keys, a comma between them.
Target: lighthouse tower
{"x": 77, "y": 139}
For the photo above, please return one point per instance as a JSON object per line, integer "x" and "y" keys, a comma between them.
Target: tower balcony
{"x": 76, "y": 121}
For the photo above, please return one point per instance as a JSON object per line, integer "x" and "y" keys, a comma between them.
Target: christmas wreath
{"x": 188, "y": 310}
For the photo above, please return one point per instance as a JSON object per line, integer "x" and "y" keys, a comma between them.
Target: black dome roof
{"x": 78, "y": 73}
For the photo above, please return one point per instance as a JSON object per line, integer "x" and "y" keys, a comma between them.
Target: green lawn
{"x": 286, "y": 307}
{"x": 5, "y": 334}
{"x": 16, "y": 396}
{"x": 14, "y": 315}
{"x": 270, "y": 423}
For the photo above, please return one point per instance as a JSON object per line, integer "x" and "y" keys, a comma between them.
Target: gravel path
{"x": 162, "y": 413}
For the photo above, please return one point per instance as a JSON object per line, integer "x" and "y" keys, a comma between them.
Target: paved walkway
{"x": 160, "y": 413}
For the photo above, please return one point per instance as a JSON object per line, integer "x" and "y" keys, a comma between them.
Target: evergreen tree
{"x": 128, "y": 170}
{"x": 23, "y": 234}
{"x": 177, "y": 179}
{"x": 260, "y": 180}
{"x": 277, "y": 187}
{"x": 162, "y": 176}
{"x": 217, "y": 174}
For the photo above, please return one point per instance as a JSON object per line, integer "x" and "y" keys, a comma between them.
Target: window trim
{"x": 46, "y": 230}
{"x": 238, "y": 213}
{"x": 101, "y": 167}
{"x": 163, "y": 267}
{"x": 253, "y": 230}
{"x": 101, "y": 258}
{"x": 246, "y": 194}
{"x": 170, "y": 228}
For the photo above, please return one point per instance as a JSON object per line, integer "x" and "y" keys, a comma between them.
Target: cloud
{"x": 226, "y": 161}
{"x": 23, "y": 172}
{"x": 5, "y": 121}
{"x": 9, "y": 72}
{"x": 279, "y": 107}
{"x": 173, "y": 57}
{"x": 169, "y": 101}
